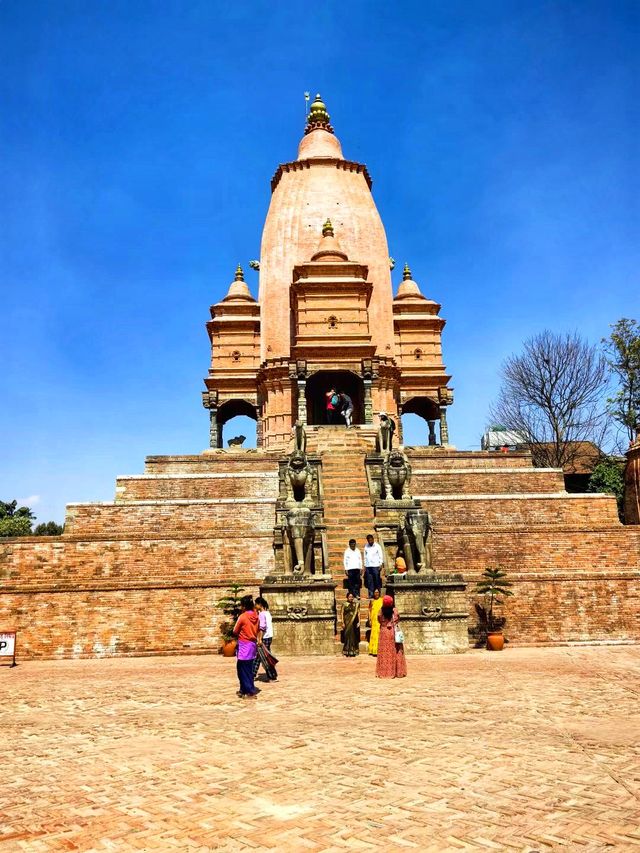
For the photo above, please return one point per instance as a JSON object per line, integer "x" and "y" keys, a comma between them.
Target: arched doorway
{"x": 237, "y": 418}
{"x": 342, "y": 381}
{"x": 415, "y": 412}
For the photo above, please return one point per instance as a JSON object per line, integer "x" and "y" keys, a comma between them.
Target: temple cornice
{"x": 301, "y": 165}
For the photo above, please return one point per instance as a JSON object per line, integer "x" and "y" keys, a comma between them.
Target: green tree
{"x": 230, "y": 606}
{"x": 608, "y": 477}
{"x": 49, "y": 528}
{"x": 622, "y": 352}
{"x": 15, "y": 520}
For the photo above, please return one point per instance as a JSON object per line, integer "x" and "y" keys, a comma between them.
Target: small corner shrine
{"x": 142, "y": 574}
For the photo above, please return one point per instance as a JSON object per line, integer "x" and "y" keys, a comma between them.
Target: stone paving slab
{"x": 525, "y": 750}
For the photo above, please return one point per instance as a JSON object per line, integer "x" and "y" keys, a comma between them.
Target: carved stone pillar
{"x": 259, "y": 429}
{"x": 368, "y": 402}
{"x": 432, "y": 433}
{"x": 445, "y": 398}
{"x": 444, "y": 429}
{"x": 302, "y": 400}
{"x": 214, "y": 430}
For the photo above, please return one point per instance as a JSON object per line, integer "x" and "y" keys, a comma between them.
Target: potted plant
{"x": 230, "y": 606}
{"x": 494, "y": 586}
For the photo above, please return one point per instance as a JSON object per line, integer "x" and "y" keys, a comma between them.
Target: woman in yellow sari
{"x": 374, "y": 608}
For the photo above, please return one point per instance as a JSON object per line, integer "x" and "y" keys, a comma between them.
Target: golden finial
{"x": 318, "y": 117}
{"x": 239, "y": 274}
{"x": 327, "y": 229}
{"x": 406, "y": 273}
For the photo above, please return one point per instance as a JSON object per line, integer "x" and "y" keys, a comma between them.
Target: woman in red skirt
{"x": 391, "y": 662}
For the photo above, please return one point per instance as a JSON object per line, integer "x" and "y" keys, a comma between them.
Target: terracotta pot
{"x": 229, "y": 649}
{"x": 495, "y": 641}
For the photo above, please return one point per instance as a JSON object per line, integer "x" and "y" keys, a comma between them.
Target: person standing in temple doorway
{"x": 353, "y": 568}
{"x": 346, "y": 408}
{"x": 373, "y": 561}
{"x": 332, "y": 400}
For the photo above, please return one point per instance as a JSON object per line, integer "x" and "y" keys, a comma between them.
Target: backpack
{"x": 335, "y": 400}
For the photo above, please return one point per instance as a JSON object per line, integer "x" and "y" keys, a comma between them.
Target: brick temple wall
{"x": 142, "y": 575}
{"x": 70, "y": 598}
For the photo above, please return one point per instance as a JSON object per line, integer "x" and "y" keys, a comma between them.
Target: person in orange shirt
{"x": 401, "y": 564}
{"x": 246, "y": 630}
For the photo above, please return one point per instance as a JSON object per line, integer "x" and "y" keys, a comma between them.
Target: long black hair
{"x": 387, "y": 611}
{"x": 247, "y": 602}
{"x": 262, "y": 602}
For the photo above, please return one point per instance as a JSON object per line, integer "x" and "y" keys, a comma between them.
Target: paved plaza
{"x": 529, "y": 749}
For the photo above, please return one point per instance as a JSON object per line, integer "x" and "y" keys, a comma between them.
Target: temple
{"x": 143, "y": 574}
{"x": 325, "y": 313}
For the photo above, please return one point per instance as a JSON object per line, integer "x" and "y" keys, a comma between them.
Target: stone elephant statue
{"x": 298, "y": 536}
{"x": 417, "y": 541}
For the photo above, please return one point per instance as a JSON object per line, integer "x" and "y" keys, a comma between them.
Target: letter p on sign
{"x": 8, "y": 647}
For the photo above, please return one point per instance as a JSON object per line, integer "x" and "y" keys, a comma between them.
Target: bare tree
{"x": 553, "y": 394}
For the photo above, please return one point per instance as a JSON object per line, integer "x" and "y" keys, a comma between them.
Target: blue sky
{"x": 138, "y": 143}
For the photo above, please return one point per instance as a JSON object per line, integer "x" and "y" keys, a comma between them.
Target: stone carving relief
{"x": 297, "y": 611}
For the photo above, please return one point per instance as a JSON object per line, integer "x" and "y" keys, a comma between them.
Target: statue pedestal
{"x": 303, "y": 612}
{"x": 433, "y": 612}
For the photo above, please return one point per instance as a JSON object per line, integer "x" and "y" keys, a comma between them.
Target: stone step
{"x": 348, "y": 509}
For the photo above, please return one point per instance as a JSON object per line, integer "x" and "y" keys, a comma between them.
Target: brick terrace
{"x": 528, "y": 750}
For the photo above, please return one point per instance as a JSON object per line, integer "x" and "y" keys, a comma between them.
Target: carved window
{"x": 235, "y": 355}
{"x": 333, "y": 322}
{"x": 417, "y": 353}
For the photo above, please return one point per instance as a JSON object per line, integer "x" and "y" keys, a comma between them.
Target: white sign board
{"x": 8, "y": 644}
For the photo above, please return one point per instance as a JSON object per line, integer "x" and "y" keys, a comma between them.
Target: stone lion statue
{"x": 396, "y": 476}
{"x": 298, "y": 477}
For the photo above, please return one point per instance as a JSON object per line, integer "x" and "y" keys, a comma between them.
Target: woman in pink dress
{"x": 391, "y": 662}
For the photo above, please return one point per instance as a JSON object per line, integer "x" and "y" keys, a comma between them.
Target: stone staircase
{"x": 348, "y": 511}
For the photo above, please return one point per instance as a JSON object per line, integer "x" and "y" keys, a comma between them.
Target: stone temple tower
{"x": 325, "y": 315}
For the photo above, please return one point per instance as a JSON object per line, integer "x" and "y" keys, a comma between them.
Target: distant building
{"x": 499, "y": 438}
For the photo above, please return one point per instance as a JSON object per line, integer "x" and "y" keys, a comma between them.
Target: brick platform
{"x": 141, "y": 575}
{"x": 526, "y": 750}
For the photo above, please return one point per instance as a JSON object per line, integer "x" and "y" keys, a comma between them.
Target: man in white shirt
{"x": 265, "y": 636}
{"x": 353, "y": 568}
{"x": 373, "y": 562}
